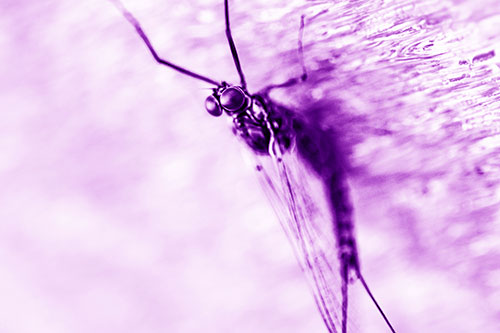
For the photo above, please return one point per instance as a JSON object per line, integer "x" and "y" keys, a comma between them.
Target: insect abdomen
{"x": 343, "y": 223}
{"x": 315, "y": 148}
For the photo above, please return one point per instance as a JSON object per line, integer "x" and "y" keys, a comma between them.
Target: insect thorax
{"x": 256, "y": 119}
{"x": 261, "y": 123}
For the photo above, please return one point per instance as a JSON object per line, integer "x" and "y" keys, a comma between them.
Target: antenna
{"x": 128, "y": 15}
{"x": 233, "y": 47}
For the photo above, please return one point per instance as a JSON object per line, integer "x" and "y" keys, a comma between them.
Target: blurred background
{"x": 124, "y": 207}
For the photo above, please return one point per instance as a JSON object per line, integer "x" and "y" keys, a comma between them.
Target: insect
{"x": 327, "y": 251}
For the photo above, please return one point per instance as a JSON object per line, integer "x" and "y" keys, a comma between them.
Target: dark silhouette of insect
{"x": 271, "y": 129}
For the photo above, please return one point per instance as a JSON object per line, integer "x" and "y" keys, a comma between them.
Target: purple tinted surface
{"x": 126, "y": 208}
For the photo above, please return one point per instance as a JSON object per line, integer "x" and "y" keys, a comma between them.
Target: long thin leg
{"x": 300, "y": 51}
{"x": 363, "y": 282}
{"x": 232, "y": 46}
{"x": 161, "y": 61}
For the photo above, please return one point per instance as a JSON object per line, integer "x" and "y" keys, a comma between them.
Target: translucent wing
{"x": 299, "y": 201}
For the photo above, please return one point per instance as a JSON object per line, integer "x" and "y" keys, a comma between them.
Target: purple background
{"x": 124, "y": 207}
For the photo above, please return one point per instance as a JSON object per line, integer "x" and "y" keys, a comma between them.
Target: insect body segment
{"x": 255, "y": 120}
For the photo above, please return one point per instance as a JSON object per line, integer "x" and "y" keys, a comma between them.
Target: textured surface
{"x": 125, "y": 208}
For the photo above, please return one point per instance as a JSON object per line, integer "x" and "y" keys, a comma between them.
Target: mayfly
{"x": 326, "y": 249}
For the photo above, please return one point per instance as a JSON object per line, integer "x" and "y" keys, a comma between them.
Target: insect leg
{"x": 365, "y": 285}
{"x": 132, "y": 20}
{"x": 300, "y": 51}
{"x": 232, "y": 46}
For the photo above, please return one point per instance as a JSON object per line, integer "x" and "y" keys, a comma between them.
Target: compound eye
{"x": 212, "y": 106}
{"x": 232, "y": 99}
